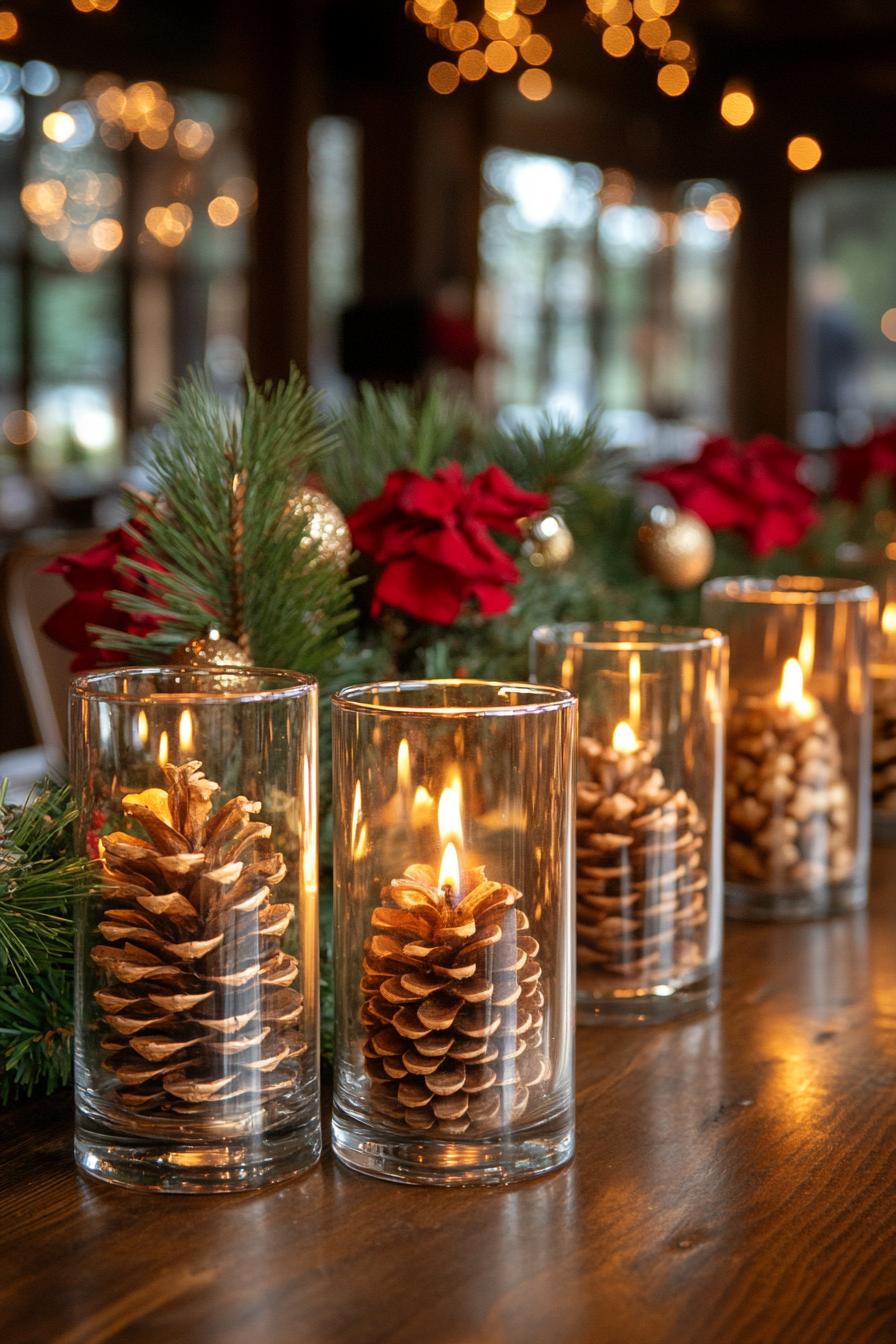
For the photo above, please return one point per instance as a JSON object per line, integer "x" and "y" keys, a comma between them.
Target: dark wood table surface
{"x": 735, "y": 1181}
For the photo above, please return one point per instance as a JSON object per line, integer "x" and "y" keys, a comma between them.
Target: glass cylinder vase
{"x": 196, "y": 1037}
{"x": 453, "y": 930}
{"x": 648, "y": 813}
{"x": 798, "y": 745}
{"x": 877, "y": 565}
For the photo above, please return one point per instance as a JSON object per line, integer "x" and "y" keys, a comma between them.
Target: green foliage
{"x": 40, "y": 878}
{"x": 392, "y": 429}
{"x": 221, "y": 529}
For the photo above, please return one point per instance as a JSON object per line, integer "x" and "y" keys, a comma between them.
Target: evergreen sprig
{"x": 40, "y": 879}
{"x": 221, "y": 545}
{"x": 394, "y": 429}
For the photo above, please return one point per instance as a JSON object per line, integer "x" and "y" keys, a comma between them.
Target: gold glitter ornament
{"x": 212, "y": 650}
{"x": 548, "y": 541}
{"x": 675, "y": 547}
{"x": 325, "y": 527}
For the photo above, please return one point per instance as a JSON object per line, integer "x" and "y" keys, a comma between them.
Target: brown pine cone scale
{"x": 640, "y": 878}
{"x": 197, "y": 992}
{"x": 452, "y": 1005}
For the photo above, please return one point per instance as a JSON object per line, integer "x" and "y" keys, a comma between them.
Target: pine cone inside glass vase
{"x": 197, "y": 995}
{"x": 640, "y": 874}
{"x": 452, "y": 1004}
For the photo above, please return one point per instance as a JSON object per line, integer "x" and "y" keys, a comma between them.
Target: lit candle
{"x": 451, "y": 839}
{"x": 791, "y": 693}
{"x": 640, "y": 873}
{"x": 883, "y": 751}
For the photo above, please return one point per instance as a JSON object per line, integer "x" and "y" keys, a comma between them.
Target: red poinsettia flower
{"x": 752, "y": 488}
{"x": 92, "y": 574}
{"x": 859, "y": 463}
{"x": 431, "y": 537}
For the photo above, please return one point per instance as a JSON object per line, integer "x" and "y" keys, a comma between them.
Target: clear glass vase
{"x": 648, "y": 813}
{"x": 196, "y": 1036}
{"x": 877, "y": 565}
{"x": 798, "y": 744}
{"x": 453, "y": 927}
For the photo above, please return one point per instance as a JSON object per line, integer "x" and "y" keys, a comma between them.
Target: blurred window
{"x": 844, "y": 236}
{"x": 334, "y": 164}
{"x": 124, "y": 249}
{"x": 597, "y": 291}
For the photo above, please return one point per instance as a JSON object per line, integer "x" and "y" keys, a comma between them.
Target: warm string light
{"x": 501, "y": 41}
{"x": 888, "y": 620}
{"x": 77, "y": 208}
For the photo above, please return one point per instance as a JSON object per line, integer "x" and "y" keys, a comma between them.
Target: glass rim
{"x": 789, "y": 589}
{"x": 659, "y": 638}
{"x": 294, "y": 685}
{"x": 546, "y": 699}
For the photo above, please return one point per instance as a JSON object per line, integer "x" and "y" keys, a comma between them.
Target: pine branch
{"x": 36, "y": 1024}
{"x": 221, "y": 528}
{"x": 37, "y": 884}
{"x": 40, "y": 878}
{"x": 394, "y": 429}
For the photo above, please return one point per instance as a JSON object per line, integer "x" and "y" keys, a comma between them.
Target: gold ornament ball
{"x": 211, "y": 651}
{"x": 549, "y": 543}
{"x": 325, "y": 527}
{"x": 676, "y": 548}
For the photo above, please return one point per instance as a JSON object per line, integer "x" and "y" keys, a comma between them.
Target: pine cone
{"x": 788, "y": 808}
{"x": 884, "y": 749}
{"x": 196, "y": 991}
{"x": 452, "y": 1005}
{"x": 640, "y": 879}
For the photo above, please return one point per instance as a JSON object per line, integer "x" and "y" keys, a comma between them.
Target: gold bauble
{"x": 325, "y": 527}
{"x": 548, "y": 541}
{"x": 676, "y": 548}
{"x": 211, "y": 651}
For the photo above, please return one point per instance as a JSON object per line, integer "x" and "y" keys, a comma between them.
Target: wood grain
{"x": 734, "y": 1182}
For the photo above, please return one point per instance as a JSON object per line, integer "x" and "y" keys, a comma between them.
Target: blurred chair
{"x": 29, "y": 596}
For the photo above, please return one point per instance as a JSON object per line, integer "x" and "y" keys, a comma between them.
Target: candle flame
{"x": 450, "y": 824}
{"x": 634, "y": 689}
{"x": 359, "y": 827}
{"x": 624, "y": 739}
{"x": 449, "y": 869}
{"x": 403, "y": 765}
{"x": 791, "y": 693}
{"x": 422, "y": 806}
{"x": 791, "y": 690}
{"x": 143, "y": 728}
{"x": 451, "y": 835}
{"x": 163, "y": 748}
{"x": 888, "y": 619}
{"x": 185, "y": 731}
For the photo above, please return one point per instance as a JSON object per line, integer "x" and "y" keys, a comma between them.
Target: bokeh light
{"x": 617, "y": 40}
{"x": 654, "y": 33}
{"x": 224, "y": 210}
{"x": 170, "y": 224}
{"x": 535, "y": 50}
{"x": 20, "y": 427}
{"x": 59, "y": 127}
{"x": 673, "y": 80}
{"x": 804, "y": 153}
{"x": 106, "y": 234}
{"x": 9, "y": 25}
{"x": 722, "y": 212}
{"x": 39, "y": 78}
{"x": 464, "y": 35}
{"x": 888, "y": 324}
{"x": 471, "y": 65}
{"x": 535, "y": 85}
{"x": 500, "y": 56}
{"x": 738, "y": 106}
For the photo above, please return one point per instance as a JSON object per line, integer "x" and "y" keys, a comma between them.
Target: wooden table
{"x": 735, "y": 1182}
